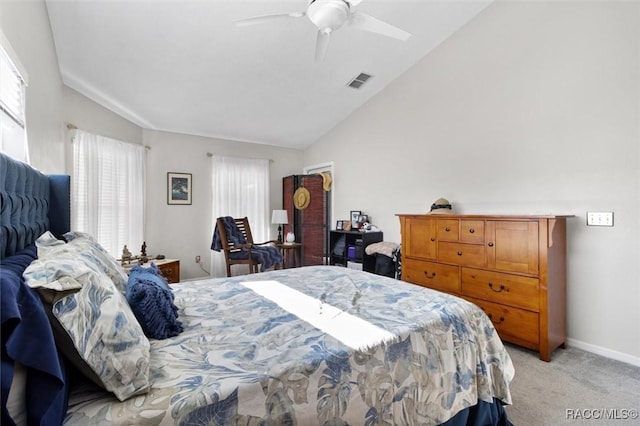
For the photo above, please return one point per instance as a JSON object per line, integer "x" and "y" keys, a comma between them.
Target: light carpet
{"x": 575, "y": 388}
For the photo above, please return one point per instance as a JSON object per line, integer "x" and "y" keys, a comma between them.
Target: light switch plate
{"x": 599, "y": 218}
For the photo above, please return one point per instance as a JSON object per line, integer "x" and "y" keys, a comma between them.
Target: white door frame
{"x": 323, "y": 168}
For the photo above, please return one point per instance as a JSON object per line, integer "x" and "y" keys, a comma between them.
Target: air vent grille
{"x": 357, "y": 82}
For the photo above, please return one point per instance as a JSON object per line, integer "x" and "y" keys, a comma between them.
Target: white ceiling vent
{"x": 357, "y": 82}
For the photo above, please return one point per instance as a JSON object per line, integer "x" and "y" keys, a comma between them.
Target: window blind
{"x": 13, "y": 132}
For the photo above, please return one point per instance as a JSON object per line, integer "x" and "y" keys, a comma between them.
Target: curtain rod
{"x": 74, "y": 127}
{"x": 210, "y": 154}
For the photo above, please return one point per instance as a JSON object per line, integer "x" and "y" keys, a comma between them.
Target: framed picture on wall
{"x": 179, "y": 188}
{"x": 355, "y": 215}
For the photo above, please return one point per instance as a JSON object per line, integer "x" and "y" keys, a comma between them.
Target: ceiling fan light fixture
{"x": 328, "y": 14}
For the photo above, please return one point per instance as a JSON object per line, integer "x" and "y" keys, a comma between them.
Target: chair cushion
{"x": 267, "y": 256}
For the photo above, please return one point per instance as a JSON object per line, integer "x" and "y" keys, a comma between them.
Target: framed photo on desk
{"x": 355, "y": 216}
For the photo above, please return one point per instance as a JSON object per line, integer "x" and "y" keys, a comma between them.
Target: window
{"x": 240, "y": 188}
{"x": 13, "y": 131}
{"x": 108, "y": 189}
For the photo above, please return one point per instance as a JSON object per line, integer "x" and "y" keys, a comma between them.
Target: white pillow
{"x": 92, "y": 321}
{"x": 95, "y": 255}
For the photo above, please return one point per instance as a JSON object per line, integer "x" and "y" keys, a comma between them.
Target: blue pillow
{"x": 151, "y": 301}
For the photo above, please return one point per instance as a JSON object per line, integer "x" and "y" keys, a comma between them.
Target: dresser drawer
{"x": 513, "y": 324}
{"x": 462, "y": 254}
{"x": 448, "y": 229}
{"x": 433, "y": 275}
{"x": 472, "y": 231}
{"x": 509, "y": 289}
{"x": 170, "y": 270}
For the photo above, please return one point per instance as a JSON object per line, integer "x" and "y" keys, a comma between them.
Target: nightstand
{"x": 292, "y": 253}
{"x": 170, "y": 268}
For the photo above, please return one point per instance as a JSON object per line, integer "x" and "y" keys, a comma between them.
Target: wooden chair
{"x": 247, "y": 253}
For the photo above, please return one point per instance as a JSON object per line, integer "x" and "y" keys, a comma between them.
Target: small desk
{"x": 292, "y": 253}
{"x": 169, "y": 268}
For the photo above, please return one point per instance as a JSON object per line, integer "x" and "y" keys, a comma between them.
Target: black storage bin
{"x": 385, "y": 266}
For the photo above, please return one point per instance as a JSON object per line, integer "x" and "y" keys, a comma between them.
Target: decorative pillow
{"x": 92, "y": 321}
{"x": 151, "y": 301}
{"x": 95, "y": 254}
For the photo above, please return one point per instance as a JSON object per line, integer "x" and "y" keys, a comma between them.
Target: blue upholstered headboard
{"x": 30, "y": 203}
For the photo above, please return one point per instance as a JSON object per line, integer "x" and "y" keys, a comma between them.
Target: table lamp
{"x": 279, "y": 217}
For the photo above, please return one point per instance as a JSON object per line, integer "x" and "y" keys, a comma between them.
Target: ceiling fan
{"x": 330, "y": 15}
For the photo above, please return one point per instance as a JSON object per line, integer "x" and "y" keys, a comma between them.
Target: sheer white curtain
{"x": 108, "y": 191}
{"x": 240, "y": 188}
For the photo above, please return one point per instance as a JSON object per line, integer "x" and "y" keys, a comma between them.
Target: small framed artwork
{"x": 179, "y": 188}
{"x": 355, "y": 215}
{"x": 340, "y": 225}
{"x": 362, "y": 219}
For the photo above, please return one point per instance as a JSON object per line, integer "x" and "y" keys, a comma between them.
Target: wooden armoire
{"x": 311, "y": 224}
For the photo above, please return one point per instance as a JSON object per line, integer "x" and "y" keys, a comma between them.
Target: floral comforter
{"x": 244, "y": 359}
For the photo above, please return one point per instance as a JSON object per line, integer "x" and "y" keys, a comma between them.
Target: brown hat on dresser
{"x": 441, "y": 206}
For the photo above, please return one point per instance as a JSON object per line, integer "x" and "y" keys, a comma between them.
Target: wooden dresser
{"x": 513, "y": 267}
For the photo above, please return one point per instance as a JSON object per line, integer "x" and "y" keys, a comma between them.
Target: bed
{"x": 312, "y": 345}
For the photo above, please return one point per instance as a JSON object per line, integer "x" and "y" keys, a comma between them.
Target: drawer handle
{"x": 500, "y": 321}
{"x": 429, "y": 275}
{"x": 502, "y": 288}
{"x": 433, "y": 239}
{"x": 460, "y": 253}
{"x": 447, "y": 229}
{"x": 490, "y": 244}
{"x": 471, "y": 230}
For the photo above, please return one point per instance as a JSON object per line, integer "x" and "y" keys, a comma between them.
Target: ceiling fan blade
{"x": 268, "y": 18}
{"x": 322, "y": 45}
{"x": 365, "y": 22}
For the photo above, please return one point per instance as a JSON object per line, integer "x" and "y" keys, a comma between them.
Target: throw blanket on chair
{"x": 266, "y": 256}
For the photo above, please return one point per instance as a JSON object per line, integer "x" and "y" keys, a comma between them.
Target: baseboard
{"x": 608, "y": 353}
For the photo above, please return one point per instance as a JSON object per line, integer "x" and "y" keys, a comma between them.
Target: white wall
{"x": 177, "y": 231}
{"x": 534, "y": 107}
{"x": 44, "y": 94}
{"x": 185, "y": 231}
{"x": 49, "y": 104}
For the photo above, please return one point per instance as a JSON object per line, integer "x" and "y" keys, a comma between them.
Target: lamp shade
{"x": 279, "y": 217}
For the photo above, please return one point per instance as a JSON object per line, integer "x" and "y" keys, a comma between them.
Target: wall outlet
{"x": 599, "y": 218}
{"x": 198, "y": 259}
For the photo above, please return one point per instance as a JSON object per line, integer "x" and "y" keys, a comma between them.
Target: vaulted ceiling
{"x": 184, "y": 66}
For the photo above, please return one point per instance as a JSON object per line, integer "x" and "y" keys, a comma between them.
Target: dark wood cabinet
{"x": 311, "y": 224}
{"x": 350, "y": 246}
